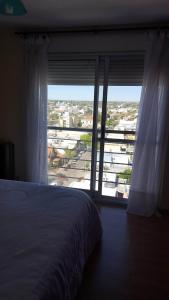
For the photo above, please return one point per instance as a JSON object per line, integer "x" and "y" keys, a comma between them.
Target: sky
{"x": 85, "y": 93}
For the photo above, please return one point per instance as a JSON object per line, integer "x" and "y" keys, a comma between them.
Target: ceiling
{"x": 86, "y": 13}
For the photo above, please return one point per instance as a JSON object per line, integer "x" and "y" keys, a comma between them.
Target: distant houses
{"x": 68, "y": 150}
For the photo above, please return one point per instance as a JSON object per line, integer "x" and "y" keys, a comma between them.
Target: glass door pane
{"x": 116, "y": 134}
{"x": 119, "y": 125}
{"x": 121, "y": 119}
{"x": 70, "y": 123}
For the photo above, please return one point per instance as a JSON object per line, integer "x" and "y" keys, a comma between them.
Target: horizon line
{"x": 93, "y": 100}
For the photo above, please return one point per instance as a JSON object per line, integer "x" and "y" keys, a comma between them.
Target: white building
{"x": 87, "y": 121}
{"x": 126, "y": 125}
{"x": 66, "y": 120}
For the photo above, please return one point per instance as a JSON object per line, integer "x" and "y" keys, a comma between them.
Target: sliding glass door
{"x": 120, "y": 96}
{"x": 70, "y": 121}
{"x": 92, "y": 111}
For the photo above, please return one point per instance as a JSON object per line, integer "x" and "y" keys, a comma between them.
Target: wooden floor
{"x": 132, "y": 261}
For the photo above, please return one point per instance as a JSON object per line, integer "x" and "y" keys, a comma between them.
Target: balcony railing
{"x": 69, "y": 159}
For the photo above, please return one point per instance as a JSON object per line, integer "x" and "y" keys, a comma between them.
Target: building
{"x": 87, "y": 121}
{"x": 126, "y": 125}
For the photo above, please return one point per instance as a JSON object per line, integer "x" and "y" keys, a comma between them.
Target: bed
{"x": 46, "y": 236}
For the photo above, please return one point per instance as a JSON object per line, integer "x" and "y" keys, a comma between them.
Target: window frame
{"x": 97, "y": 57}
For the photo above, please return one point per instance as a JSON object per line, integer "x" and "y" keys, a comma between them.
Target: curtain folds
{"x": 35, "y": 108}
{"x": 152, "y": 131}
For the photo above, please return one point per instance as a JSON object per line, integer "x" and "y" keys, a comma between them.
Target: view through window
{"x": 69, "y": 152}
{"x": 70, "y": 124}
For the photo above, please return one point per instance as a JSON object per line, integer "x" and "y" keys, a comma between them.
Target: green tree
{"x": 111, "y": 123}
{"x": 70, "y": 153}
{"x": 52, "y": 118}
{"x": 126, "y": 174}
{"x": 79, "y": 124}
{"x": 86, "y": 139}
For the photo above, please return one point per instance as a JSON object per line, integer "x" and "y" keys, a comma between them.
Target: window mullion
{"x": 94, "y": 136}
{"x": 103, "y": 121}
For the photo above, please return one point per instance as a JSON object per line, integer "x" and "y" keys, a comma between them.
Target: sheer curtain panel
{"x": 35, "y": 108}
{"x": 152, "y": 129}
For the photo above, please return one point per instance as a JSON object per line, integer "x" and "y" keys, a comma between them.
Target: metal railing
{"x": 69, "y": 159}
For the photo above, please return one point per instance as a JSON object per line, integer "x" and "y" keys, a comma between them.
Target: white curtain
{"x": 35, "y": 108}
{"x": 152, "y": 129}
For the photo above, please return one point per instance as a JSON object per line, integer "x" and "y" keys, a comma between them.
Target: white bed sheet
{"x": 46, "y": 235}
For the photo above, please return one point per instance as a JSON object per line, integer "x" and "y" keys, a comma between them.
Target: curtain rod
{"x": 98, "y": 29}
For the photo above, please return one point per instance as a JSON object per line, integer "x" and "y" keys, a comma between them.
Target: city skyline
{"x": 86, "y": 93}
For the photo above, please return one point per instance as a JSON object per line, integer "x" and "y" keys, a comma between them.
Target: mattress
{"x": 46, "y": 236}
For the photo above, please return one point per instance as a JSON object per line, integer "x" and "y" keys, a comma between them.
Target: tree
{"x": 86, "y": 139}
{"x": 79, "y": 124}
{"x": 126, "y": 174}
{"x": 111, "y": 123}
{"x": 70, "y": 153}
{"x": 53, "y": 117}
